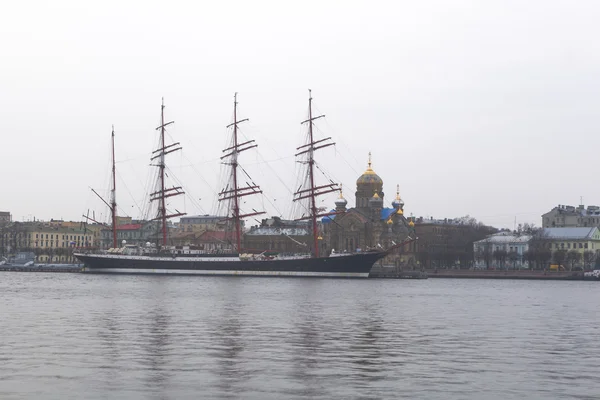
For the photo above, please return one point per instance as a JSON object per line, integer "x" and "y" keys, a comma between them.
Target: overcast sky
{"x": 488, "y": 108}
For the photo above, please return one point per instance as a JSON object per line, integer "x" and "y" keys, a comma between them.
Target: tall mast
{"x": 311, "y": 172}
{"x": 113, "y": 202}
{"x": 163, "y": 207}
{"x": 313, "y": 191}
{"x": 236, "y": 203}
{"x": 112, "y": 206}
{"x": 163, "y": 193}
{"x": 235, "y": 192}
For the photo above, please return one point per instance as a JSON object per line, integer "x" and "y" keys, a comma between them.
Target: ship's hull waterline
{"x": 350, "y": 266}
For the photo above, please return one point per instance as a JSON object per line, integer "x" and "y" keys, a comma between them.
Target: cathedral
{"x": 370, "y": 224}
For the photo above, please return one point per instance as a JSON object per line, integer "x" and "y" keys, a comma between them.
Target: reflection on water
{"x": 106, "y": 337}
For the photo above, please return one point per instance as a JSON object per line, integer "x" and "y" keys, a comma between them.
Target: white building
{"x": 514, "y": 248}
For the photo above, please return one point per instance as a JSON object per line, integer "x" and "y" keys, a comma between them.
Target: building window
{"x": 581, "y": 245}
{"x": 585, "y": 246}
{"x": 568, "y": 245}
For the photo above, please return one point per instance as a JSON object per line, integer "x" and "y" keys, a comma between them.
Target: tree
{"x": 588, "y": 258}
{"x": 527, "y": 229}
{"x": 544, "y": 255}
{"x": 513, "y": 257}
{"x": 500, "y": 257}
{"x": 531, "y": 257}
{"x": 573, "y": 257}
{"x": 541, "y": 246}
{"x": 485, "y": 253}
{"x": 559, "y": 257}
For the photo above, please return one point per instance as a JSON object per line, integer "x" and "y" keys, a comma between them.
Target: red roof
{"x": 129, "y": 227}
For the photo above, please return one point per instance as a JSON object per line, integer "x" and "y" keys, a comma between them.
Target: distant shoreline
{"x": 19, "y": 268}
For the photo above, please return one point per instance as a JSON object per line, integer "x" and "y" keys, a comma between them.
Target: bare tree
{"x": 573, "y": 257}
{"x": 485, "y": 253}
{"x": 589, "y": 257}
{"x": 500, "y": 257}
{"x": 540, "y": 245}
{"x": 513, "y": 257}
{"x": 559, "y": 257}
{"x": 531, "y": 257}
{"x": 543, "y": 256}
{"x": 527, "y": 229}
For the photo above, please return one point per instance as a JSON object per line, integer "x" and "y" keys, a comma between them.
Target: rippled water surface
{"x": 71, "y": 336}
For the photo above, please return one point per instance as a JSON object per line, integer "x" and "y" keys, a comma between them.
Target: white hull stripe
{"x": 170, "y": 259}
{"x": 230, "y": 272}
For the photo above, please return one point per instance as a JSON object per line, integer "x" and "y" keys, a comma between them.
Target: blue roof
{"x": 386, "y": 212}
{"x": 328, "y": 219}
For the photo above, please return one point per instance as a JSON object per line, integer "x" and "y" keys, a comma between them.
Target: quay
{"x": 507, "y": 274}
{"x": 41, "y": 268}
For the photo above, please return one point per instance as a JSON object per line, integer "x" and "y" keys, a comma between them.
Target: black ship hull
{"x": 345, "y": 266}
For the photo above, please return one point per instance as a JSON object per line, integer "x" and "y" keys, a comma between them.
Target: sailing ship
{"x": 165, "y": 259}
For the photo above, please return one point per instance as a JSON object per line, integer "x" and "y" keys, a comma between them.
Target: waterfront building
{"x": 215, "y": 241}
{"x": 50, "y": 241}
{"x": 201, "y": 223}
{"x": 579, "y": 239}
{"x": 564, "y": 216}
{"x": 370, "y": 224}
{"x": 190, "y": 228}
{"x": 14, "y": 237}
{"x": 93, "y": 229}
{"x": 279, "y": 235}
{"x": 502, "y": 250}
{"x": 137, "y": 233}
{"x": 571, "y": 247}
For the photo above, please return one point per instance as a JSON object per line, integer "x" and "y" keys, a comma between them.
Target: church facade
{"x": 370, "y": 224}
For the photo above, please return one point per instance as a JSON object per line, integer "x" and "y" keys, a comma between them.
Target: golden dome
{"x": 411, "y": 224}
{"x": 369, "y": 176}
{"x": 389, "y": 221}
{"x": 400, "y": 212}
{"x": 375, "y": 196}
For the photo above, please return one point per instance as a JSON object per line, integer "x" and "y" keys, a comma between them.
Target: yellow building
{"x": 202, "y": 223}
{"x": 579, "y": 239}
{"x": 572, "y": 247}
{"x": 52, "y": 243}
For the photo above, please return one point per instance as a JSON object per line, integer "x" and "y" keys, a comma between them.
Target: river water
{"x": 74, "y": 336}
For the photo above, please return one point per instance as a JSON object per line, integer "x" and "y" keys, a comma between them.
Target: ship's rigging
{"x": 162, "y": 192}
{"x": 113, "y": 197}
{"x": 309, "y": 190}
{"x": 233, "y": 191}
